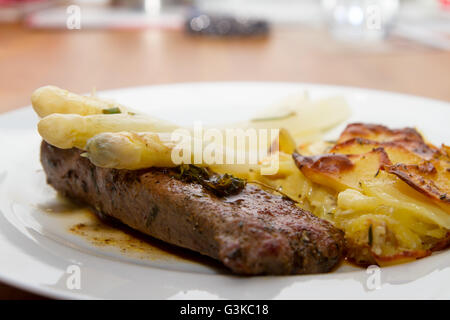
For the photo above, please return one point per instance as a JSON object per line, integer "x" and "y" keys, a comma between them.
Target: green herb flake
{"x": 113, "y": 110}
{"x": 378, "y": 172}
{"x": 151, "y": 216}
{"x": 370, "y": 235}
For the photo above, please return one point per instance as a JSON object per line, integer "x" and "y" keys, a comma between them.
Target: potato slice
{"x": 431, "y": 178}
{"x": 396, "y": 194}
{"x": 315, "y": 148}
{"x": 285, "y": 143}
{"x": 445, "y": 150}
{"x": 410, "y": 152}
{"x": 378, "y": 133}
{"x": 341, "y": 172}
{"x": 303, "y": 118}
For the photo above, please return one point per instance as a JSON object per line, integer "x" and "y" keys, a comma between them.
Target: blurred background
{"x": 394, "y": 45}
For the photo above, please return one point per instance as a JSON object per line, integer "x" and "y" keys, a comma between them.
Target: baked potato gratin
{"x": 388, "y": 190}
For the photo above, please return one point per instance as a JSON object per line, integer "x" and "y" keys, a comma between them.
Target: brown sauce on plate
{"x": 103, "y": 232}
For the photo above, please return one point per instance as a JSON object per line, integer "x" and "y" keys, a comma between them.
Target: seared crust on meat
{"x": 253, "y": 232}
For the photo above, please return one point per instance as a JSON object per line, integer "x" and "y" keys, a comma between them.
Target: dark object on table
{"x": 225, "y": 26}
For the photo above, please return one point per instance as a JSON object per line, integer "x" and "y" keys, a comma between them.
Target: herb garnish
{"x": 378, "y": 172}
{"x": 370, "y": 235}
{"x": 111, "y": 110}
{"x": 221, "y": 185}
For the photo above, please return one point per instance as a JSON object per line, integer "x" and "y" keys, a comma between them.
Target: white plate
{"x": 36, "y": 248}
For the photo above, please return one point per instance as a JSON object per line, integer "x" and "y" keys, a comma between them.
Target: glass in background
{"x": 357, "y": 20}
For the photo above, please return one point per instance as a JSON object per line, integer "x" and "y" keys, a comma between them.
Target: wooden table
{"x": 81, "y": 60}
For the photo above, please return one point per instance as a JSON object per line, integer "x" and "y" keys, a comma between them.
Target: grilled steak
{"x": 252, "y": 232}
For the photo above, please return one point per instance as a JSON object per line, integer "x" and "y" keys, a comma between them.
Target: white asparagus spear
{"x": 66, "y": 131}
{"x": 50, "y": 99}
{"x": 129, "y": 150}
{"x": 132, "y": 151}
